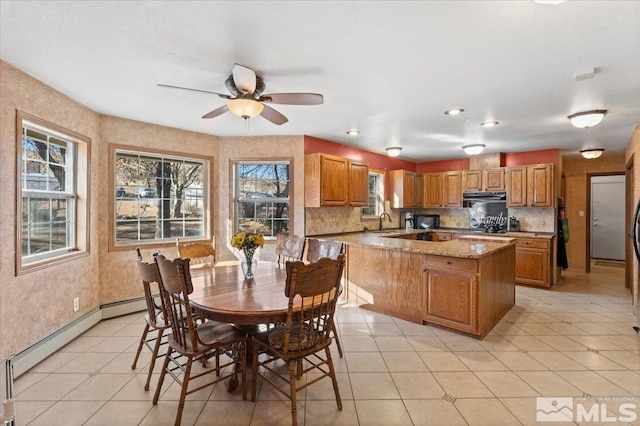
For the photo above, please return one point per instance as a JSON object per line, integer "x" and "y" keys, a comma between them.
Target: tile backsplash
{"x": 332, "y": 220}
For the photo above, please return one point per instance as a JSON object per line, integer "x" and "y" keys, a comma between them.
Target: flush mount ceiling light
{"x": 473, "y": 149}
{"x": 455, "y": 111}
{"x": 353, "y": 132}
{"x": 245, "y": 108}
{"x": 393, "y": 151}
{"x": 590, "y": 154}
{"x": 489, "y": 123}
{"x": 587, "y": 119}
{"x": 551, "y": 2}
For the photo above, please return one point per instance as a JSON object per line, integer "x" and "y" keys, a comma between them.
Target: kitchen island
{"x": 466, "y": 284}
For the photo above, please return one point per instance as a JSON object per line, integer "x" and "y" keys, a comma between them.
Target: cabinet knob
{"x": 448, "y": 262}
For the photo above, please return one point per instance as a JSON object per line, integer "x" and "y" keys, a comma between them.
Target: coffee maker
{"x": 408, "y": 221}
{"x": 514, "y": 224}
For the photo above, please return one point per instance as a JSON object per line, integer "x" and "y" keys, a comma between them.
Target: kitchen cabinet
{"x": 491, "y": 180}
{"x": 533, "y": 261}
{"x": 418, "y": 192}
{"x": 441, "y": 236}
{"x": 402, "y": 188}
{"x": 452, "y": 189}
{"x": 530, "y": 186}
{"x": 330, "y": 180}
{"x": 432, "y": 189}
{"x": 450, "y": 299}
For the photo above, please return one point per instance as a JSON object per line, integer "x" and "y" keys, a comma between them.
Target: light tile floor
{"x": 576, "y": 341}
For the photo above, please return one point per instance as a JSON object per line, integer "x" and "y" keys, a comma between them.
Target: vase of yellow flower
{"x": 248, "y": 243}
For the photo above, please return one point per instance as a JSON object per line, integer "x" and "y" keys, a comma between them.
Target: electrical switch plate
{"x": 581, "y": 213}
{"x": 76, "y": 304}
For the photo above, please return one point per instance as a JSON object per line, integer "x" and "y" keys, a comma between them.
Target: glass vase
{"x": 248, "y": 264}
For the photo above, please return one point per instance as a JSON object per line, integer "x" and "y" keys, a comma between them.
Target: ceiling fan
{"x": 247, "y": 101}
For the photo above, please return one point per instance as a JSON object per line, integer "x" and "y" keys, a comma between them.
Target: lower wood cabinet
{"x": 442, "y": 236}
{"x": 450, "y": 299}
{"x": 533, "y": 261}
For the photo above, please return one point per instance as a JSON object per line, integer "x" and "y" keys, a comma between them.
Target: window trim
{"x": 82, "y": 176}
{"x": 209, "y": 210}
{"x": 233, "y": 216}
{"x": 382, "y": 179}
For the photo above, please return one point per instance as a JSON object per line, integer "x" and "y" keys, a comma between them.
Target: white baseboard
{"x": 40, "y": 350}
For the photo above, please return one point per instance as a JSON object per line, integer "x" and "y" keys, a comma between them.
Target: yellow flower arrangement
{"x": 247, "y": 241}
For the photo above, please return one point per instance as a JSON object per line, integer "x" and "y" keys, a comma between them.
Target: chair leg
{"x": 142, "y": 340}
{"x": 293, "y": 373}
{"x": 242, "y": 353}
{"x": 254, "y": 372}
{"x": 337, "y": 339}
{"x": 334, "y": 379}
{"x": 165, "y": 364}
{"x": 183, "y": 393}
{"x": 156, "y": 348}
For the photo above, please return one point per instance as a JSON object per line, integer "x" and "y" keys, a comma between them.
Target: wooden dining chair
{"x": 155, "y": 318}
{"x": 305, "y": 333}
{"x": 289, "y": 248}
{"x": 200, "y": 252}
{"x": 194, "y": 341}
{"x": 316, "y": 250}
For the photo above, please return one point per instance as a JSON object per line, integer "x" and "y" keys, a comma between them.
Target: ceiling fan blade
{"x": 222, "y": 95}
{"x": 273, "y": 116}
{"x": 293, "y": 98}
{"x": 244, "y": 78}
{"x": 216, "y": 112}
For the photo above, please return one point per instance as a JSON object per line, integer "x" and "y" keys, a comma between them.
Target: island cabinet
{"x": 533, "y": 261}
{"x": 465, "y": 294}
{"x": 452, "y": 189}
{"x": 530, "y": 186}
{"x": 432, "y": 189}
{"x": 403, "y": 189}
{"x": 330, "y": 180}
{"x": 490, "y": 180}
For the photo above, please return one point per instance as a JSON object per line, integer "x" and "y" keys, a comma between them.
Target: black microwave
{"x": 426, "y": 221}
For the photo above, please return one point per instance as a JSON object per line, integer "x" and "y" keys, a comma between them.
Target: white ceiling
{"x": 389, "y": 69}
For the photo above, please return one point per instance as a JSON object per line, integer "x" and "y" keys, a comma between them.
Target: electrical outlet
{"x": 76, "y": 304}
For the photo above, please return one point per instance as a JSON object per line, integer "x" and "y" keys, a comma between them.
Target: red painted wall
{"x": 531, "y": 157}
{"x": 376, "y": 161}
{"x": 443, "y": 166}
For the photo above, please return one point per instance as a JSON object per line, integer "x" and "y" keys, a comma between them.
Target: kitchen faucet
{"x": 382, "y": 218}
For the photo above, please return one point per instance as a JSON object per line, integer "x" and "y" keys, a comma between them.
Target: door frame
{"x": 628, "y": 214}
{"x": 588, "y": 214}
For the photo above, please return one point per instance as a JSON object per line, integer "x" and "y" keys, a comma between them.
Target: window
{"x": 376, "y": 195}
{"x": 158, "y": 197}
{"x": 262, "y": 191}
{"x": 52, "y": 209}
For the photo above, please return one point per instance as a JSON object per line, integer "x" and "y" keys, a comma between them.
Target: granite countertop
{"x": 392, "y": 240}
{"x": 521, "y": 234}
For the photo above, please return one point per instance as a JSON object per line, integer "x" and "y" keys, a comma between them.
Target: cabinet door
{"x": 418, "y": 191}
{"x": 532, "y": 266}
{"x": 442, "y": 236}
{"x": 539, "y": 185}
{"x": 432, "y": 189}
{"x": 450, "y": 299}
{"x": 516, "y": 187}
{"x": 453, "y": 189}
{"x": 358, "y": 184}
{"x": 472, "y": 180}
{"x": 402, "y": 188}
{"x": 493, "y": 180}
{"x": 334, "y": 172}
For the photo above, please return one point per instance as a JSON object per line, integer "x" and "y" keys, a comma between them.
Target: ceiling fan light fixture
{"x": 393, "y": 151}
{"x": 473, "y": 149}
{"x": 586, "y": 119}
{"x": 590, "y": 154}
{"x": 454, "y": 111}
{"x": 245, "y": 108}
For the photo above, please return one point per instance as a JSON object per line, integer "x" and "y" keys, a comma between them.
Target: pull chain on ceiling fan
{"x": 247, "y": 101}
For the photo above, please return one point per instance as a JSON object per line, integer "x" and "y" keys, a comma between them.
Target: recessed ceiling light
{"x": 454, "y": 111}
{"x": 353, "y": 132}
{"x": 489, "y": 123}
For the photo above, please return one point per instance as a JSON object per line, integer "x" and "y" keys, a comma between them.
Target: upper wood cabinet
{"x": 530, "y": 186}
{"x": 418, "y": 191}
{"x": 403, "y": 184}
{"x": 330, "y": 180}
{"x": 452, "y": 189}
{"x": 432, "y": 190}
{"x": 491, "y": 180}
{"x": 358, "y": 184}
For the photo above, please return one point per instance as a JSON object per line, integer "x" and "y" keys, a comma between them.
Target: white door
{"x": 607, "y": 217}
